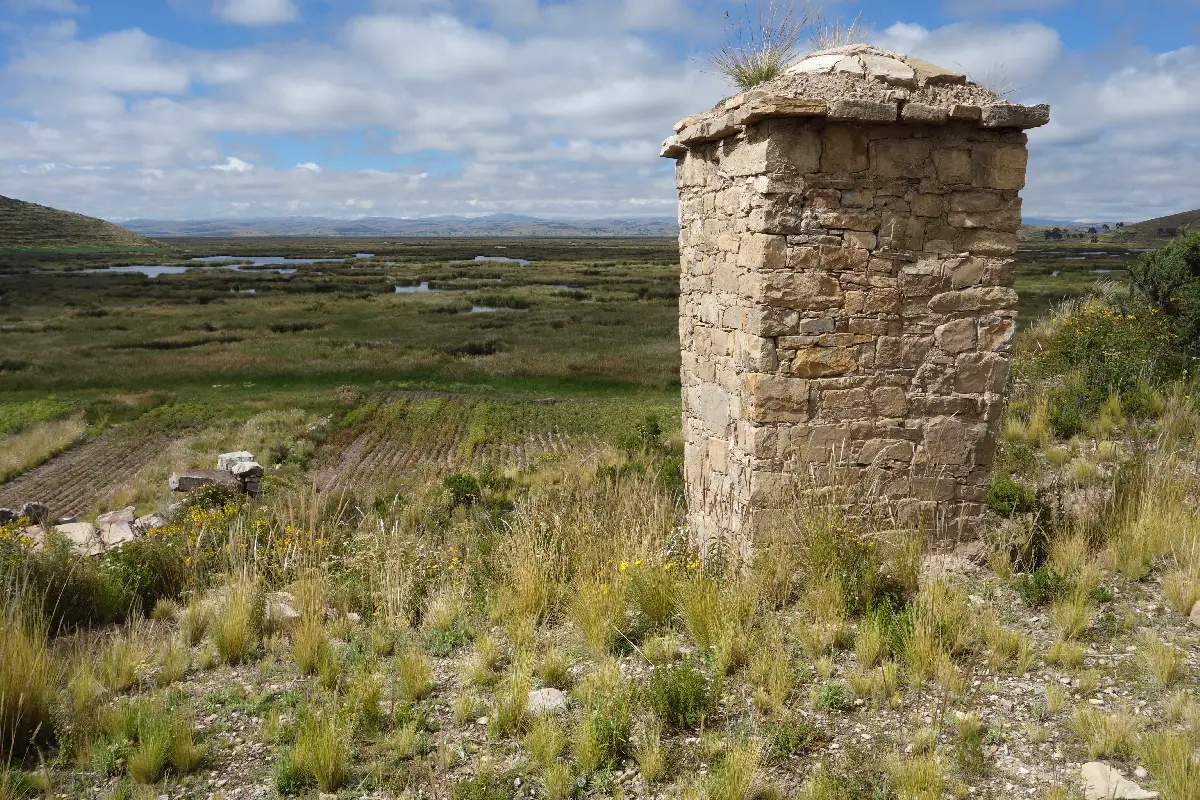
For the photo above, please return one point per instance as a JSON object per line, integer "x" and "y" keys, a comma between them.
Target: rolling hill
{"x": 1151, "y": 227}
{"x": 31, "y": 226}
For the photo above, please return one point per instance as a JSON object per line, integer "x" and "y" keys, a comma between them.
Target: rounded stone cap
{"x": 859, "y": 83}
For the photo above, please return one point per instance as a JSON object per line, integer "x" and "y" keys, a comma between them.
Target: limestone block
{"x": 760, "y": 251}
{"x": 878, "y": 450}
{"x": 947, "y": 442}
{"x": 901, "y": 158}
{"x": 931, "y": 74}
{"x": 957, "y": 336}
{"x": 807, "y": 290}
{"x": 982, "y": 298}
{"x": 998, "y": 167}
{"x": 861, "y": 239}
{"x": 1011, "y": 115}
{"x": 817, "y": 362}
{"x": 755, "y": 353}
{"x": 1006, "y": 220}
{"x": 850, "y": 220}
{"x": 919, "y": 113}
{"x": 868, "y": 111}
{"x": 928, "y": 205}
{"x": 846, "y": 149}
{"x": 980, "y": 372}
{"x": 902, "y": 352}
{"x": 996, "y": 333}
{"x": 839, "y": 259}
{"x": 890, "y": 401}
{"x": 775, "y": 398}
{"x": 226, "y": 461}
{"x": 953, "y": 166}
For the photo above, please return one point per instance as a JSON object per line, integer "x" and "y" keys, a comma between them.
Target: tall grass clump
{"x": 238, "y": 626}
{"x": 761, "y": 43}
{"x": 27, "y": 681}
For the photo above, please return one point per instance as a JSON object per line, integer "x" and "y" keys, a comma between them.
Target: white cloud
{"x": 536, "y": 116}
{"x": 256, "y": 12}
{"x": 234, "y": 164}
{"x": 1016, "y": 54}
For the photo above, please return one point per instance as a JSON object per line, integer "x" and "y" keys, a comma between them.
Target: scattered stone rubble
{"x": 115, "y": 528}
{"x": 846, "y": 234}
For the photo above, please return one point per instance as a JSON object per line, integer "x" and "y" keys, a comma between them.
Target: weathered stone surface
{"x": 226, "y": 461}
{"x": 149, "y": 522}
{"x": 890, "y": 70}
{"x": 83, "y": 536}
{"x": 925, "y": 114}
{"x": 116, "y": 527}
{"x": 191, "y": 480}
{"x": 247, "y": 470}
{"x": 776, "y": 398}
{"x": 545, "y": 701}
{"x": 1103, "y": 782}
{"x": 817, "y": 362}
{"x": 957, "y": 336}
{"x": 1194, "y": 617}
{"x": 1009, "y": 115}
{"x": 861, "y": 111}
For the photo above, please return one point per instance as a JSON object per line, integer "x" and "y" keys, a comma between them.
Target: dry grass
{"x": 238, "y": 627}
{"x": 1106, "y": 735}
{"x": 762, "y": 43}
{"x": 26, "y": 450}
{"x": 27, "y": 681}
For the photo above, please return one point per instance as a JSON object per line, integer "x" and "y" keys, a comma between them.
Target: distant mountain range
{"x": 507, "y": 225}
{"x": 29, "y": 225}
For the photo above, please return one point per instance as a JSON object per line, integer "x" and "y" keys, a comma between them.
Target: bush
{"x": 1168, "y": 282}
{"x": 1007, "y": 497}
{"x": 1044, "y": 585}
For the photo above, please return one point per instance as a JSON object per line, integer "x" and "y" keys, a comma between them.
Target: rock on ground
{"x": 193, "y": 479}
{"x": 116, "y": 527}
{"x": 545, "y": 701}
{"x": 83, "y": 536}
{"x": 227, "y": 461}
{"x": 1103, "y": 782}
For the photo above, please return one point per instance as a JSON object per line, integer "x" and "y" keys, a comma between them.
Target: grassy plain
{"x": 464, "y": 508}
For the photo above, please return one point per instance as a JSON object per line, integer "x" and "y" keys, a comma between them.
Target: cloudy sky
{"x": 186, "y": 109}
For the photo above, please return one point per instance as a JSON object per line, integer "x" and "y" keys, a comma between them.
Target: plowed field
{"x": 408, "y": 440}
{"x": 73, "y": 482}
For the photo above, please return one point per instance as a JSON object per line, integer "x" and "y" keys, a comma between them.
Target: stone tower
{"x": 846, "y": 234}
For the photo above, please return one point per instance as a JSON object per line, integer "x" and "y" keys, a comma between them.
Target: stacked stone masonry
{"x": 845, "y": 300}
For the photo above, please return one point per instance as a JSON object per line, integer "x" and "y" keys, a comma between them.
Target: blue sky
{"x": 205, "y": 108}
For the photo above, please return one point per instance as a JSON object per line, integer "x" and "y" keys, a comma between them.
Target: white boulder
{"x": 545, "y": 701}
{"x": 116, "y": 527}
{"x": 83, "y": 536}
{"x": 226, "y": 461}
{"x": 1103, "y": 782}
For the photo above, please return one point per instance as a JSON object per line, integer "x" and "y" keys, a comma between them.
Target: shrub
{"x": 1008, "y": 497}
{"x": 1168, "y": 282}
{"x": 794, "y": 736}
{"x": 1044, "y": 585}
{"x": 684, "y": 694}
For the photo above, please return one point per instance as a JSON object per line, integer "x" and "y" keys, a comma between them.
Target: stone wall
{"x": 846, "y": 297}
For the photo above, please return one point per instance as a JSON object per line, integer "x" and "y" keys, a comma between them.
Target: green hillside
{"x": 1176, "y": 222}
{"x": 29, "y": 226}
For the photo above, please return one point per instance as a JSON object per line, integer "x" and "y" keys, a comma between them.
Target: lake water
{"x": 278, "y": 264}
{"x": 520, "y": 261}
{"x": 420, "y": 288}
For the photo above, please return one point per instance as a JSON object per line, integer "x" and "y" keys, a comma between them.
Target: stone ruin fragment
{"x": 846, "y": 241}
